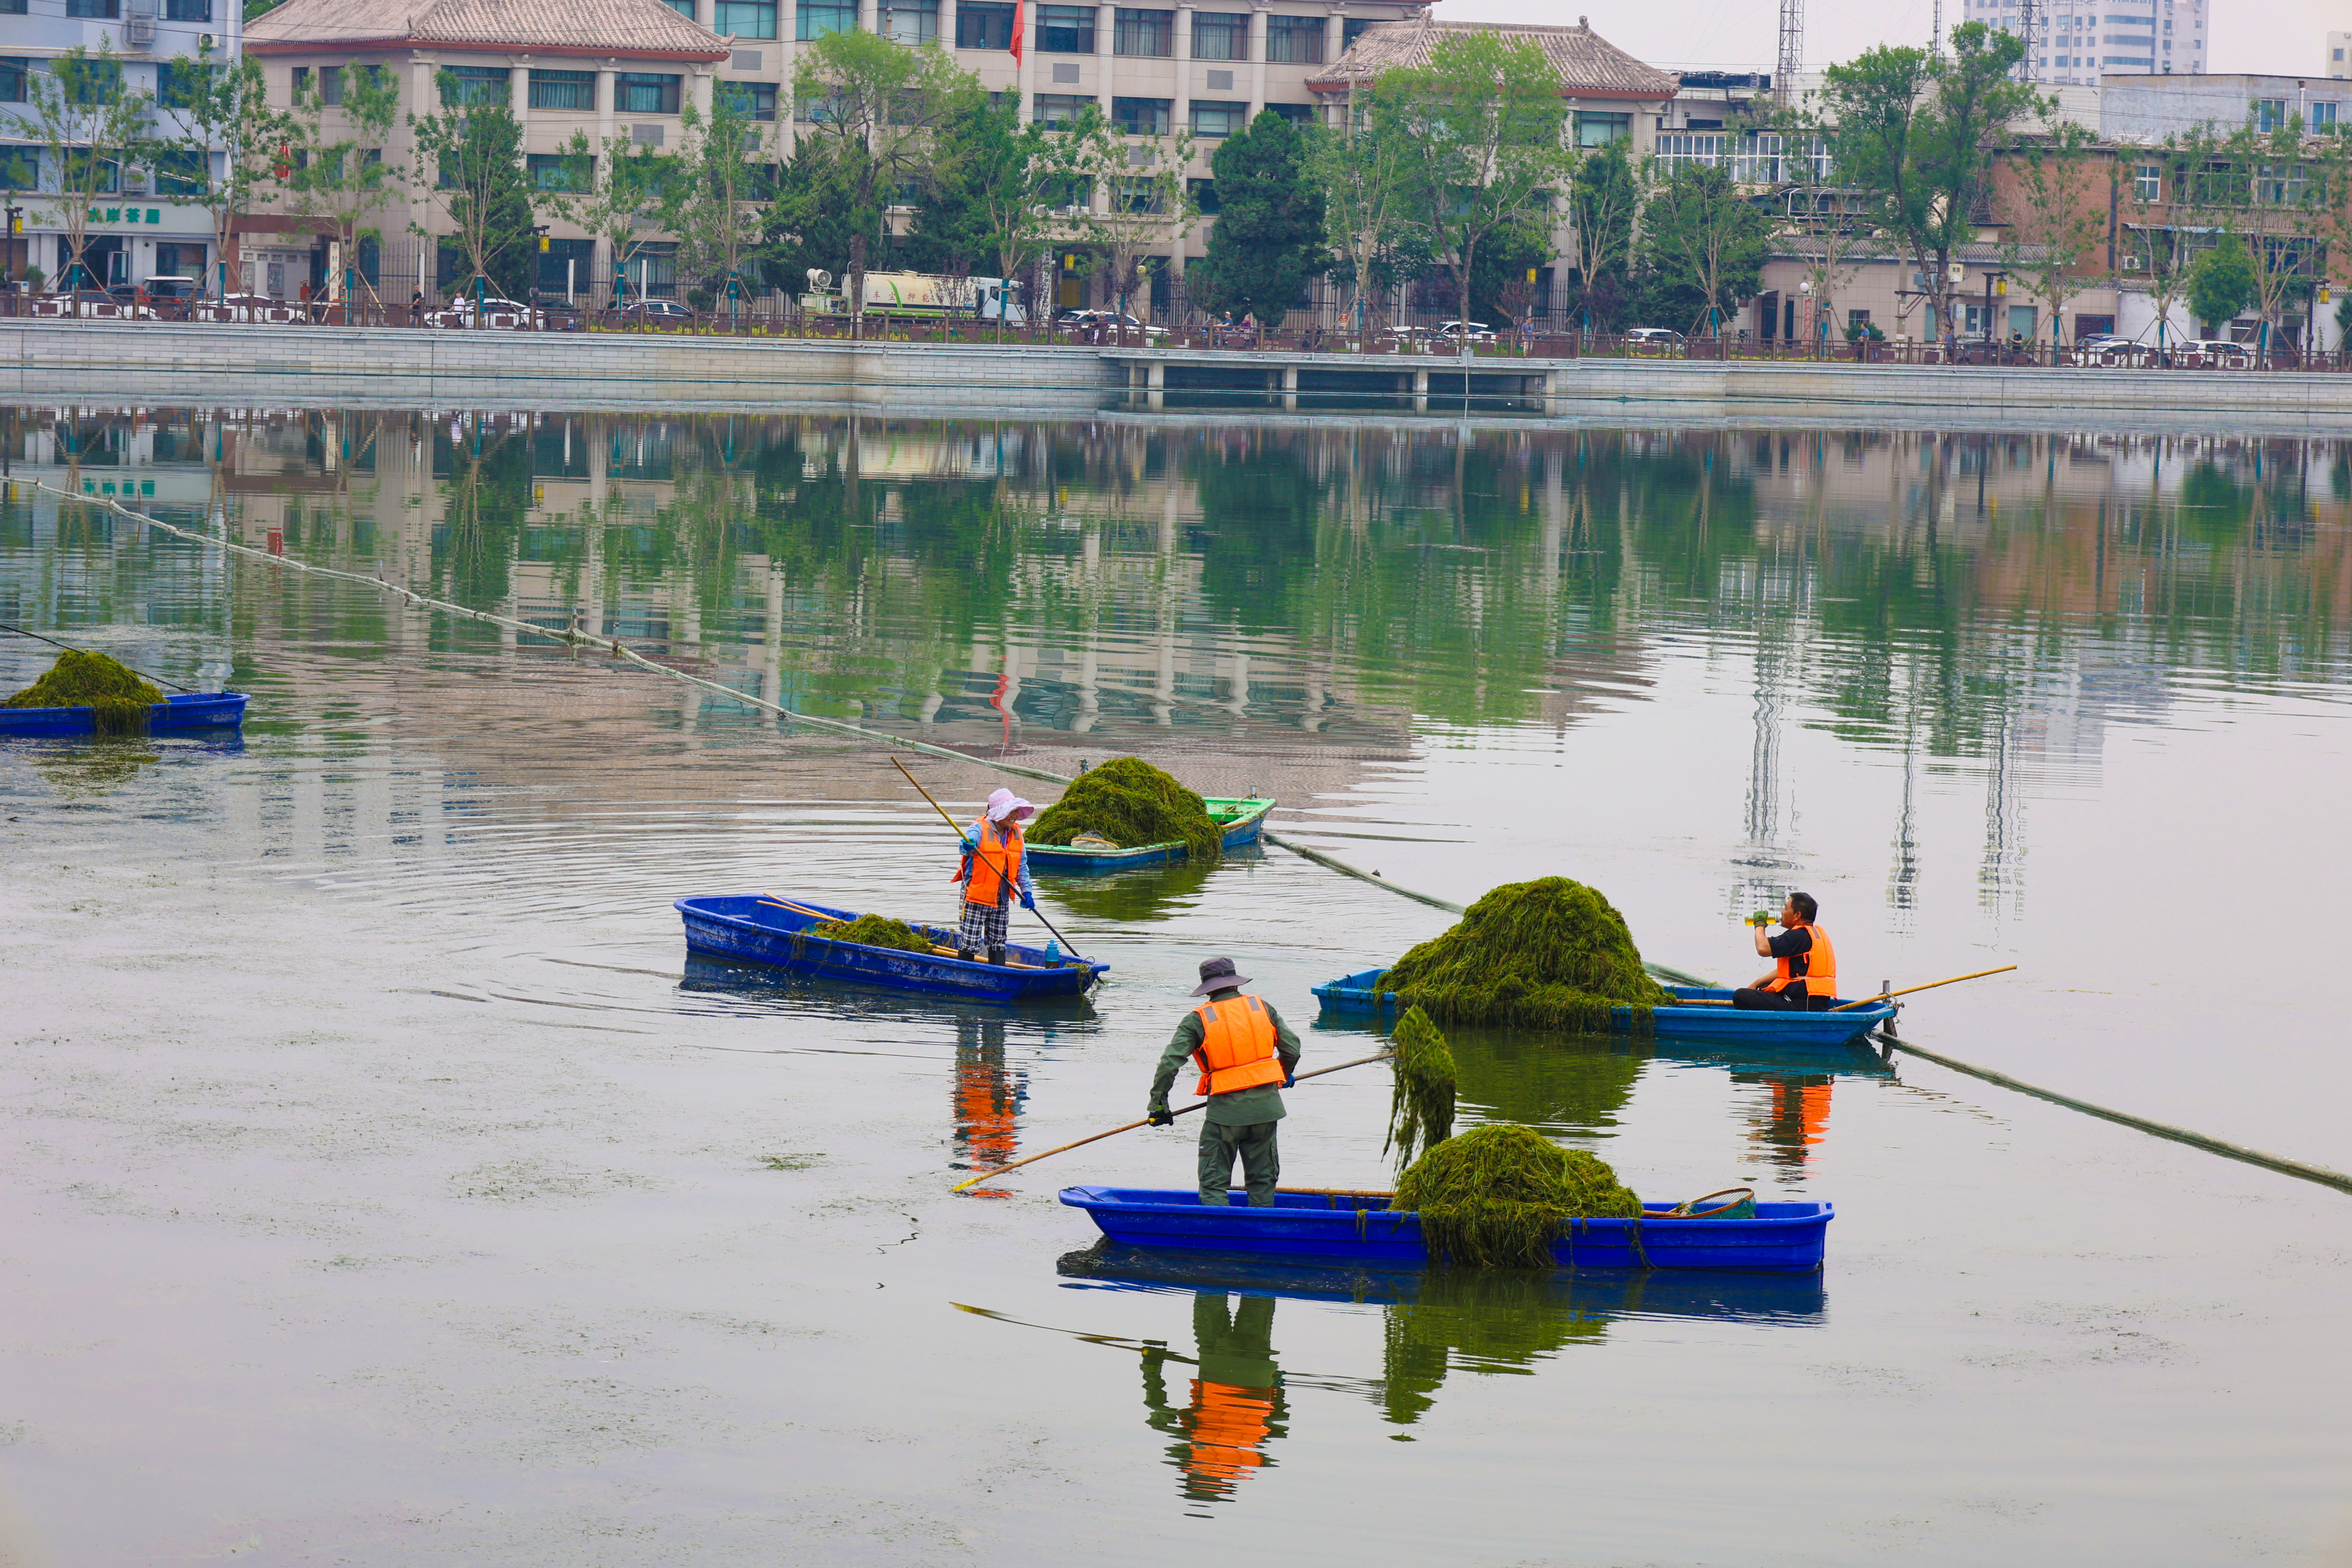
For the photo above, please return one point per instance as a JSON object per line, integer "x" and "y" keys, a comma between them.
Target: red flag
{"x": 1019, "y": 6}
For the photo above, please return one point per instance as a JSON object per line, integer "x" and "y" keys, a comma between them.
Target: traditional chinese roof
{"x": 635, "y": 29}
{"x": 1587, "y": 65}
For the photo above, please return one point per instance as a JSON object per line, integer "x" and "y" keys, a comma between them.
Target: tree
{"x": 1604, "y": 201}
{"x": 1360, "y": 168}
{"x": 1914, "y": 131}
{"x": 618, "y": 196}
{"x": 809, "y": 221}
{"x": 1269, "y": 236}
{"x": 341, "y": 174}
{"x": 2057, "y": 223}
{"x": 1141, "y": 180}
{"x": 2222, "y": 283}
{"x": 1000, "y": 166}
{"x": 221, "y": 133}
{"x": 2288, "y": 193}
{"x": 874, "y": 108}
{"x": 469, "y": 162}
{"x": 2156, "y": 244}
{"x": 88, "y": 126}
{"x": 716, "y": 203}
{"x": 1482, "y": 125}
{"x": 1701, "y": 237}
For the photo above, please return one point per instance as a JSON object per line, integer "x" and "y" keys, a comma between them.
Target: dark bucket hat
{"x": 1217, "y": 974}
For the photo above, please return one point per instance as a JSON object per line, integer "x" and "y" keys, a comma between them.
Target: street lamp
{"x": 15, "y": 227}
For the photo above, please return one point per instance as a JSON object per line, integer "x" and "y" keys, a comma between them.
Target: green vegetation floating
{"x": 1546, "y": 955}
{"x": 1495, "y": 1196}
{"x": 875, "y": 930}
{"x": 1421, "y": 1107}
{"x": 1132, "y": 804}
{"x": 117, "y": 697}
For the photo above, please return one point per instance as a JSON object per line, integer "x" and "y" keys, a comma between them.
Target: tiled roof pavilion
{"x": 1587, "y": 65}
{"x": 637, "y": 30}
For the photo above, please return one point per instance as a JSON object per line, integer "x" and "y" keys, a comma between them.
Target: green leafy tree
{"x": 1269, "y": 237}
{"x": 469, "y": 164}
{"x": 1915, "y": 130}
{"x": 809, "y": 221}
{"x": 1360, "y": 168}
{"x": 876, "y": 108}
{"x": 218, "y": 134}
{"x": 2057, "y": 218}
{"x": 1604, "y": 203}
{"x": 2223, "y": 282}
{"x": 334, "y": 164}
{"x": 1702, "y": 240}
{"x": 618, "y": 195}
{"x": 1483, "y": 128}
{"x": 717, "y": 201}
{"x": 2156, "y": 242}
{"x": 88, "y": 126}
{"x": 1134, "y": 191}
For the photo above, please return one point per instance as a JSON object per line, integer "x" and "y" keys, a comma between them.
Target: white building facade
{"x": 2078, "y": 42}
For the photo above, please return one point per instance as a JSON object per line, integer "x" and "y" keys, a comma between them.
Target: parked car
{"x": 1659, "y": 340}
{"x": 2111, "y": 350}
{"x": 91, "y": 304}
{"x": 2214, "y": 354}
{"x": 654, "y": 313}
{"x": 1452, "y": 334}
{"x": 244, "y": 308}
{"x": 1113, "y": 325}
{"x": 493, "y": 311}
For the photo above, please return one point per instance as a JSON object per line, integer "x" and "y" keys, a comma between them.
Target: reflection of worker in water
{"x": 1236, "y": 1400}
{"x": 987, "y": 1096}
{"x": 1798, "y": 1118}
{"x": 1804, "y": 970}
{"x": 1247, "y": 1055}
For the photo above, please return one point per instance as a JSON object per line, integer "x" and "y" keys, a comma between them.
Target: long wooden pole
{"x": 951, "y": 821}
{"x": 1889, "y": 995}
{"x": 1180, "y": 1110}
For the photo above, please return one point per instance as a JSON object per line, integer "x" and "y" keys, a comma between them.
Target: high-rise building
{"x": 2077, "y": 42}
{"x": 2339, "y": 53}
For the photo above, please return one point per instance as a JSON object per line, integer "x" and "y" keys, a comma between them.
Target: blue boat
{"x": 1361, "y": 1228}
{"x": 1244, "y": 819}
{"x": 1352, "y": 996}
{"x": 756, "y": 928}
{"x": 193, "y": 714}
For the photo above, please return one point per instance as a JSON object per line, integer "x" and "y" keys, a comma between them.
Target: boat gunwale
{"x": 1360, "y": 1000}
{"x": 1092, "y": 970}
{"x": 1043, "y": 854}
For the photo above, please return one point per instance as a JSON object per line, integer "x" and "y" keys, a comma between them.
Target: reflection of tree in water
{"x": 1557, "y": 1081}
{"x": 487, "y": 495}
{"x": 1131, "y": 895}
{"x": 87, "y": 772}
{"x": 1793, "y": 1116}
{"x": 1481, "y": 1321}
{"x": 1235, "y": 1405}
{"x": 988, "y": 1100}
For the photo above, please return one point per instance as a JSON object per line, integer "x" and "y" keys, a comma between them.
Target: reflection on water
{"x": 1233, "y": 1403}
{"x": 81, "y": 770}
{"x": 1791, "y": 1119}
{"x": 1144, "y": 895}
{"x": 989, "y": 1095}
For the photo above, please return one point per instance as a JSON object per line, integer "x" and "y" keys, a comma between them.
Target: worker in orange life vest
{"x": 1247, "y": 1055}
{"x": 1805, "y": 972}
{"x": 995, "y": 872}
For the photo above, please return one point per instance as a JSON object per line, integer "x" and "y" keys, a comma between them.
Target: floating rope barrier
{"x": 2295, "y": 1168}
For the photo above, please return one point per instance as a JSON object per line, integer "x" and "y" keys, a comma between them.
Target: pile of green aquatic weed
{"x": 1497, "y": 1196}
{"x": 1132, "y": 804}
{"x": 1546, "y": 955}
{"x": 117, "y": 697}
{"x": 875, "y": 930}
{"x": 1420, "y": 1105}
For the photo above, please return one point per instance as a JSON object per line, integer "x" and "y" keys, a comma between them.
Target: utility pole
{"x": 1792, "y": 52}
{"x": 2028, "y": 27}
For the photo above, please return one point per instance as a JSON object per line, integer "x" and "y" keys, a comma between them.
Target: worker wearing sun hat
{"x": 1247, "y": 1055}
{"x": 995, "y": 871}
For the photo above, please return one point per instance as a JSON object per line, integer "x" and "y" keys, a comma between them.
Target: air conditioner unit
{"x": 138, "y": 32}
{"x": 134, "y": 181}
{"x": 2131, "y": 263}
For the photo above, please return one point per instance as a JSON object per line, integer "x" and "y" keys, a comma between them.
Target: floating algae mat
{"x": 118, "y": 699}
{"x": 1132, "y": 804}
{"x": 1546, "y": 955}
{"x": 1421, "y": 1107}
{"x": 1497, "y": 1196}
{"x": 875, "y": 930}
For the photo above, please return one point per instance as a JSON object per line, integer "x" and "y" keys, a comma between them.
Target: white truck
{"x": 919, "y": 296}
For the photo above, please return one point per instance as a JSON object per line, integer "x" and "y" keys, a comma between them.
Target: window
{"x": 1352, "y": 28}
{"x": 1204, "y": 196}
{"x": 745, "y": 18}
{"x": 92, "y": 172}
{"x": 1151, "y": 34}
{"x": 1065, "y": 29}
{"x": 1076, "y": 191}
{"x": 574, "y": 90}
{"x": 910, "y": 22}
{"x": 1856, "y": 318}
{"x": 815, "y": 18}
{"x": 1059, "y": 108}
{"x": 182, "y": 172}
{"x": 1214, "y": 118}
{"x": 108, "y": 10}
{"x": 20, "y": 168}
{"x": 187, "y": 10}
{"x": 22, "y": 8}
{"x": 1136, "y": 193}
{"x": 1294, "y": 40}
{"x": 1220, "y": 35}
{"x": 88, "y": 84}
{"x": 463, "y": 86}
{"x": 1599, "y": 130}
{"x": 645, "y": 92}
{"x": 560, "y": 172}
{"x": 177, "y": 82}
{"x": 752, "y": 99}
{"x": 2270, "y": 114}
{"x": 2323, "y": 115}
{"x": 1296, "y": 113}
{"x": 330, "y": 84}
{"x": 983, "y": 25}
{"x": 1142, "y": 116}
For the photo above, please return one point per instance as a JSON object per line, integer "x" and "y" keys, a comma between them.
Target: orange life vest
{"x": 996, "y": 868}
{"x": 1820, "y": 967}
{"x": 1237, "y": 1046}
{"x": 1229, "y": 1427}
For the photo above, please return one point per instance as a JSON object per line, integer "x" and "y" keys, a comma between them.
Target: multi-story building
{"x": 139, "y": 230}
{"x": 2339, "y": 62}
{"x": 2078, "y": 42}
{"x": 2141, "y": 111}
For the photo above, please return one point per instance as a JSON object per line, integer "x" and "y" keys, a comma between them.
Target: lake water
{"x": 383, "y": 1187}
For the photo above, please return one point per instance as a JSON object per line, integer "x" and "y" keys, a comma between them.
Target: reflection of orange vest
{"x": 995, "y": 866}
{"x": 1820, "y": 967}
{"x": 1237, "y": 1046}
{"x": 1227, "y": 1427}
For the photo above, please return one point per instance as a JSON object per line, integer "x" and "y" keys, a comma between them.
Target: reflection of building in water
{"x": 1793, "y": 1118}
{"x": 988, "y": 1099}
{"x": 1232, "y": 1408}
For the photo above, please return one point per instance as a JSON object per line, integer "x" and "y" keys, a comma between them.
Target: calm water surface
{"x": 383, "y": 1187}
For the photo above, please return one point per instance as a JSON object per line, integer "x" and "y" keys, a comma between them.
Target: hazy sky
{"x": 2281, "y": 38}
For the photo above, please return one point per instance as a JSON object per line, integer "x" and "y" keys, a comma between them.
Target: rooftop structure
{"x": 2078, "y": 42}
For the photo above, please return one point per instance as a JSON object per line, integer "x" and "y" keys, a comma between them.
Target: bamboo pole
{"x": 1888, "y": 995}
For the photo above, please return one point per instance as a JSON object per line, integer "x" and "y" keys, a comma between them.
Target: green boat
{"x": 1242, "y": 819}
